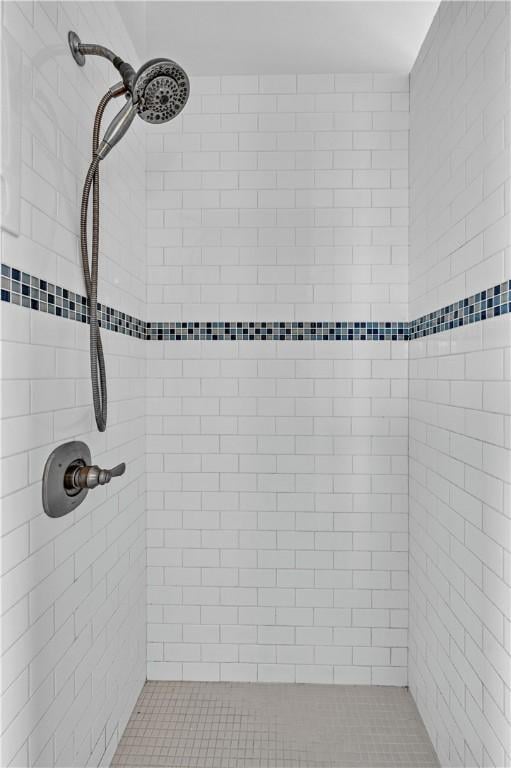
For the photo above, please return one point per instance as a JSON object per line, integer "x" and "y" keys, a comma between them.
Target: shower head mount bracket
{"x": 74, "y": 44}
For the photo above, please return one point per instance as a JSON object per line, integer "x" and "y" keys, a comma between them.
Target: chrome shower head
{"x": 160, "y": 90}
{"x": 157, "y": 92}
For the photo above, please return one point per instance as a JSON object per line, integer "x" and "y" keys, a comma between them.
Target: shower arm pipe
{"x": 81, "y": 50}
{"x": 92, "y": 49}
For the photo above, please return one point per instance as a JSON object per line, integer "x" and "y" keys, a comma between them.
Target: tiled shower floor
{"x": 242, "y": 725}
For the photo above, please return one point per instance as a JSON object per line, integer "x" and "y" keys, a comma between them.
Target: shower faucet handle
{"x": 80, "y": 477}
{"x": 69, "y": 475}
{"x": 117, "y": 471}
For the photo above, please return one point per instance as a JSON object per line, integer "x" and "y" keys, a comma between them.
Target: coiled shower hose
{"x": 97, "y": 359}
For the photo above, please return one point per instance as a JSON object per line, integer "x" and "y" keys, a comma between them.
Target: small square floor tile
{"x": 273, "y": 725}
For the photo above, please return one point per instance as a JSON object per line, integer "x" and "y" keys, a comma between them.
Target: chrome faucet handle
{"x": 117, "y": 471}
{"x": 80, "y": 477}
{"x": 105, "y": 475}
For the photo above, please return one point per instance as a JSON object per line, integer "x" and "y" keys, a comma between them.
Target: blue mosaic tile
{"x": 491, "y": 302}
{"x": 276, "y": 331}
{"x": 28, "y": 291}
{"x": 25, "y": 290}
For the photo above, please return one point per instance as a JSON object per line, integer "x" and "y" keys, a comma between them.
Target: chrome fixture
{"x": 68, "y": 476}
{"x": 157, "y": 93}
{"x": 79, "y": 477}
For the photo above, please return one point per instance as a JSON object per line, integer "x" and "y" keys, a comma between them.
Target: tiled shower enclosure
{"x": 305, "y": 297}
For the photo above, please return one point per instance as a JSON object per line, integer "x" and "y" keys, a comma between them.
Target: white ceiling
{"x": 281, "y": 37}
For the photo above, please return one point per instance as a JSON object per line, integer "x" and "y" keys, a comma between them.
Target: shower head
{"x": 157, "y": 92}
{"x": 160, "y": 90}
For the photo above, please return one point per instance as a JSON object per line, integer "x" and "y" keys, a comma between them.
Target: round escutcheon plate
{"x": 74, "y": 44}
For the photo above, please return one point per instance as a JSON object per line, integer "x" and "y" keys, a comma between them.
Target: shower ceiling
{"x": 269, "y": 37}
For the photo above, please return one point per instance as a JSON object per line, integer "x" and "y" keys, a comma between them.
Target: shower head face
{"x": 160, "y": 90}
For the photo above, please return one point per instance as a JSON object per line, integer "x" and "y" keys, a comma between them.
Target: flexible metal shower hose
{"x": 97, "y": 360}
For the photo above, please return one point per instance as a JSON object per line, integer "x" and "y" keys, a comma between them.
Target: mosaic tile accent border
{"x": 34, "y": 293}
{"x": 31, "y": 292}
{"x": 278, "y": 331}
{"x": 491, "y": 302}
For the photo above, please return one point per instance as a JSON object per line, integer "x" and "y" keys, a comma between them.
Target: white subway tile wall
{"x": 277, "y": 517}
{"x": 459, "y": 158}
{"x": 58, "y": 103}
{"x": 460, "y": 463}
{"x": 277, "y": 511}
{"x": 281, "y": 198}
{"x": 73, "y": 589}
